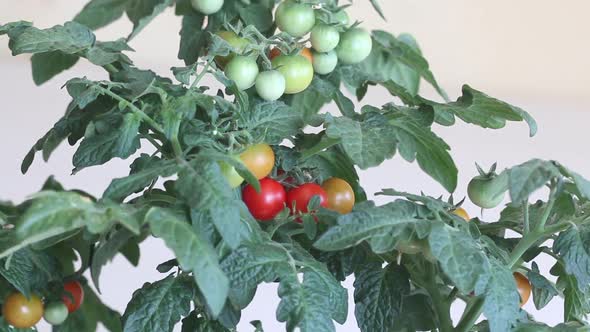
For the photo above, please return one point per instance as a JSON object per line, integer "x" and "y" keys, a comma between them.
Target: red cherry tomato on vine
{"x": 266, "y": 204}
{"x": 259, "y": 159}
{"x": 298, "y": 198}
{"x": 340, "y": 195}
{"x": 524, "y": 287}
{"x": 73, "y": 296}
{"x": 21, "y": 312}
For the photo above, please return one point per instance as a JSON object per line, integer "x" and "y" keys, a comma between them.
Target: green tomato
{"x": 487, "y": 192}
{"x": 270, "y": 85}
{"x": 324, "y": 38}
{"x": 242, "y": 70}
{"x": 341, "y": 17}
{"x": 296, "y": 19}
{"x": 230, "y": 174}
{"x": 207, "y": 7}
{"x": 55, "y": 313}
{"x": 324, "y": 63}
{"x": 297, "y": 70}
{"x": 355, "y": 46}
{"x": 238, "y": 43}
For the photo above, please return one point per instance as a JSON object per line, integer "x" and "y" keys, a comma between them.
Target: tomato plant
{"x": 56, "y": 313}
{"x": 340, "y": 195}
{"x": 324, "y": 38}
{"x": 259, "y": 159}
{"x": 294, "y": 18}
{"x": 266, "y": 204}
{"x": 243, "y": 70}
{"x": 22, "y": 312}
{"x": 207, "y": 7}
{"x": 270, "y": 85}
{"x": 299, "y": 197}
{"x": 297, "y": 70}
{"x": 487, "y": 191}
{"x": 73, "y": 296}
{"x": 355, "y": 46}
{"x": 324, "y": 63}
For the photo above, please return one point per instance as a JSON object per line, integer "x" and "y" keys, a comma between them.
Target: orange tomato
{"x": 340, "y": 195}
{"x": 306, "y": 52}
{"x": 462, "y": 213}
{"x": 524, "y": 287}
{"x": 259, "y": 159}
{"x": 21, "y": 312}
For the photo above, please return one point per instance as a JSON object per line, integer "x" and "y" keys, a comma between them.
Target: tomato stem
{"x": 527, "y": 227}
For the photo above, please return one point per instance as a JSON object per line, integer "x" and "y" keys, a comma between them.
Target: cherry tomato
{"x": 73, "y": 296}
{"x": 266, "y": 204}
{"x": 243, "y": 70}
{"x": 235, "y": 41}
{"x": 56, "y": 313}
{"x": 306, "y": 52}
{"x": 21, "y": 312}
{"x": 270, "y": 85}
{"x": 355, "y": 46}
{"x": 259, "y": 159}
{"x": 231, "y": 175}
{"x": 299, "y": 197}
{"x": 296, "y": 19}
{"x": 324, "y": 38}
{"x": 487, "y": 192}
{"x": 297, "y": 70}
{"x": 462, "y": 213}
{"x": 340, "y": 195}
{"x": 524, "y": 287}
{"x": 324, "y": 63}
{"x": 207, "y": 7}
{"x": 341, "y": 17}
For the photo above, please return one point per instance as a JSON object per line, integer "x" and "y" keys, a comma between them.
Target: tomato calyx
{"x": 488, "y": 189}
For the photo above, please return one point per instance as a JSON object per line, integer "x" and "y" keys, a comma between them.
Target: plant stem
{"x": 547, "y": 211}
{"x": 441, "y": 305}
{"x": 110, "y": 68}
{"x": 471, "y": 316}
{"x": 135, "y": 110}
{"x": 525, "y": 207}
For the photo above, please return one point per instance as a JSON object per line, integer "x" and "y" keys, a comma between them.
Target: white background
{"x": 531, "y": 53}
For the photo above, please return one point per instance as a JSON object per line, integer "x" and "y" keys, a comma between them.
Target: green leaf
{"x": 159, "y": 306}
{"x": 576, "y": 299}
{"x": 70, "y": 38}
{"x": 202, "y": 185}
{"x": 377, "y": 8}
{"x": 142, "y": 12}
{"x": 106, "y": 251}
{"x": 257, "y": 15}
{"x": 308, "y": 103}
{"x": 460, "y": 257}
{"x": 228, "y": 223}
{"x": 543, "y": 290}
{"x": 193, "y": 39}
{"x": 29, "y": 271}
{"x": 418, "y": 314}
{"x": 572, "y": 247}
{"x": 368, "y": 142}
{"x": 380, "y": 225}
{"x": 99, "y": 13}
{"x": 526, "y": 178}
{"x": 185, "y": 242}
{"x": 47, "y": 65}
{"x": 272, "y": 122}
{"x": 104, "y": 53}
{"x": 196, "y": 323}
{"x": 379, "y": 296}
{"x": 120, "y": 142}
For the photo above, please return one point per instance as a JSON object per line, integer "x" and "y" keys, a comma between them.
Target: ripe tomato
{"x": 207, "y": 7}
{"x": 306, "y": 52}
{"x": 73, "y": 296}
{"x": 524, "y": 287}
{"x": 355, "y": 46}
{"x": 297, "y": 70}
{"x": 462, "y": 213}
{"x": 259, "y": 159}
{"x": 266, "y": 204}
{"x": 56, "y": 313}
{"x": 21, "y": 312}
{"x": 487, "y": 192}
{"x": 243, "y": 70}
{"x": 270, "y": 85}
{"x": 298, "y": 198}
{"x": 230, "y": 174}
{"x": 340, "y": 195}
{"x": 296, "y": 19}
{"x": 324, "y": 38}
{"x": 235, "y": 41}
{"x": 324, "y": 63}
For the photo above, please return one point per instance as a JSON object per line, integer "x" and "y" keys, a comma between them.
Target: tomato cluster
{"x": 292, "y": 73}
{"x": 22, "y": 312}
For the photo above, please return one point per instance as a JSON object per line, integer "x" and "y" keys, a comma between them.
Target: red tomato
{"x": 266, "y": 204}
{"x": 298, "y": 198}
{"x": 73, "y": 296}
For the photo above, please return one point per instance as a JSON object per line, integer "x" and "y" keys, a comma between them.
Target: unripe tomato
{"x": 340, "y": 195}
{"x": 306, "y": 52}
{"x": 341, "y": 17}
{"x": 230, "y": 174}
{"x": 73, "y": 296}
{"x": 21, "y": 312}
{"x": 487, "y": 192}
{"x": 235, "y": 41}
{"x": 324, "y": 38}
{"x": 266, "y": 204}
{"x": 299, "y": 197}
{"x": 297, "y": 70}
{"x": 524, "y": 287}
{"x": 296, "y": 19}
{"x": 243, "y": 70}
{"x": 259, "y": 159}
{"x": 56, "y": 313}
{"x": 270, "y": 85}
{"x": 355, "y": 46}
{"x": 324, "y": 63}
{"x": 207, "y": 7}
{"x": 462, "y": 213}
